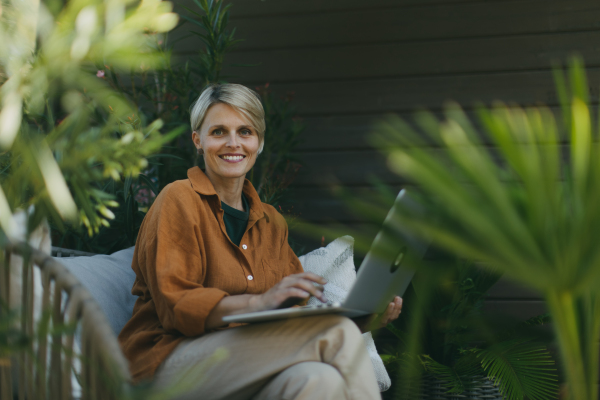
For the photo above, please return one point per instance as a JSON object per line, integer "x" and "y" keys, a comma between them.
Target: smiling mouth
{"x": 236, "y": 158}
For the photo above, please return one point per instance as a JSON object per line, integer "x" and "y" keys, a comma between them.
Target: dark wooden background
{"x": 349, "y": 62}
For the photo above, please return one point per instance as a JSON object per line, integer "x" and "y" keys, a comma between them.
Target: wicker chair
{"x": 103, "y": 371}
{"x": 45, "y": 370}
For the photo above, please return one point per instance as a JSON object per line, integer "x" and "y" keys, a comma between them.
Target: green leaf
{"x": 521, "y": 368}
{"x": 128, "y": 182}
{"x": 397, "y": 332}
{"x": 193, "y": 21}
{"x": 164, "y": 155}
{"x": 563, "y": 95}
{"x": 458, "y": 377}
{"x": 151, "y": 185}
{"x": 387, "y": 358}
{"x": 578, "y": 80}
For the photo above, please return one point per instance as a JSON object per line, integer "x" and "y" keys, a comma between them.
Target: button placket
{"x": 249, "y": 273}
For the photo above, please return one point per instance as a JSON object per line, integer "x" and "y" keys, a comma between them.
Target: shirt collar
{"x": 201, "y": 184}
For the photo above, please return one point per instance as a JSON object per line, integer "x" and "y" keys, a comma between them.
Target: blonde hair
{"x": 241, "y": 98}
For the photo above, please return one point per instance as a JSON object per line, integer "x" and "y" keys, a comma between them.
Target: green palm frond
{"x": 521, "y": 368}
{"x": 521, "y": 196}
{"x": 459, "y": 377}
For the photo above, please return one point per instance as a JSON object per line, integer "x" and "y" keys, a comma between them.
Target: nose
{"x": 232, "y": 140}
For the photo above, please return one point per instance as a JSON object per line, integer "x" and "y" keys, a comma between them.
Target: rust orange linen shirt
{"x": 185, "y": 264}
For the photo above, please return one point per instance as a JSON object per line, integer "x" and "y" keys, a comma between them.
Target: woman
{"x": 209, "y": 248}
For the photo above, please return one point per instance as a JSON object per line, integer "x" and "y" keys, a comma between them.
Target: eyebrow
{"x": 224, "y": 127}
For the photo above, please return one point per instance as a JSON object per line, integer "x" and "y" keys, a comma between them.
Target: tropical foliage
{"x": 62, "y": 129}
{"x": 460, "y": 345}
{"x": 522, "y": 198}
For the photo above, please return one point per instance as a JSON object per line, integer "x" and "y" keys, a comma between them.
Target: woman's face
{"x": 229, "y": 142}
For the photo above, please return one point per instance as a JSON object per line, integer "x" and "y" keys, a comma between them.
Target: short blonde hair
{"x": 243, "y": 99}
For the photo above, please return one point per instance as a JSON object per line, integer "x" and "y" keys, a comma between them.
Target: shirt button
{"x": 250, "y": 277}
{"x": 244, "y": 247}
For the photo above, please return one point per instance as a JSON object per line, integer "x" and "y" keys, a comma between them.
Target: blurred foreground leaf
{"x": 520, "y": 195}
{"x": 62, "y": 128}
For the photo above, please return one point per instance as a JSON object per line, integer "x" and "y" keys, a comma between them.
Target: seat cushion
{"x": 109, "y": 280}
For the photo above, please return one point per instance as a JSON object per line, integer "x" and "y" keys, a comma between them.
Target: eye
{"x": 217, "y": 132}
{"x": 246, "y": 132}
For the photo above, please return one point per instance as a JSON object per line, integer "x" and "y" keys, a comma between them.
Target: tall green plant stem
{"x": 577, "y": 330}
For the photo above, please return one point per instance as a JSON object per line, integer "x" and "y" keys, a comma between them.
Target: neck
{"x": 228, "y": 189}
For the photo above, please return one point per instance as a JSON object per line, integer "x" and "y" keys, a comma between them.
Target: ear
{"x": 197, "y": 143}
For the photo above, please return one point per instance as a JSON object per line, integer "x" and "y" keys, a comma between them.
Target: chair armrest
{"x": 66, "y": 306}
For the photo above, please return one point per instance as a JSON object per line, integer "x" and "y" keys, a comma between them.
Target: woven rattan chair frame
{"x": 44, "y": 369}
{"x": 62, "y": 252}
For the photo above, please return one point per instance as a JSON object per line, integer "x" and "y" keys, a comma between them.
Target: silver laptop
{"x": 385, "y": 273}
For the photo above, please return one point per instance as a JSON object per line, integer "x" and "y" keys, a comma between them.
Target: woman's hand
{"x": 376, "y": 321}
{"x": 289, "y": 291}
{"x": 392, "y": 312}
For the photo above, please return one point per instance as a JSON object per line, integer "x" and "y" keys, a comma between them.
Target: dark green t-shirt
{"x": 236, "y": 221}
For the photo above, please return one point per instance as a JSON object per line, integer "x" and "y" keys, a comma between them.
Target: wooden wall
{"x": 351, "y": 61}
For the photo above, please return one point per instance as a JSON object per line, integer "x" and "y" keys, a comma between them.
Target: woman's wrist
{"x": 255, "y": 303}
{"x": 231, "y": 305}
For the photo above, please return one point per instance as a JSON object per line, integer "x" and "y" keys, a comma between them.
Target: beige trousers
{"x": 321, "y": 357}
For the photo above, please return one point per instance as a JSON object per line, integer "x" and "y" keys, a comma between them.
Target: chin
{"x": 229, "y": 171}
{"x": 231, "y": 174}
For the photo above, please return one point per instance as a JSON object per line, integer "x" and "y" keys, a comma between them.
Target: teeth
{"x": 233, "y": 158}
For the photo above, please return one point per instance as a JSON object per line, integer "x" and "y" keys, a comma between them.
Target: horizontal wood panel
{"x": 408, "y": 94}
{"x": 253, "y": 8}
{"x": 353, "y": 205}
{"x": 347, "y": 168}
{"x": 363, "y": 167}
{"x": 351, "y": 132}
{"x": 372, "y": 25}
{"x": 508, "y": 289}
{"x": 311, "y": 236}
{"x": 337, "y": 132}
{"x": 519, "y": 309}
{"x": 317, "y": 196}
{"x": 414, "y": 59}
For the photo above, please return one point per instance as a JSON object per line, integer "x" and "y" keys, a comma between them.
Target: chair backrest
{"x": 45, "y": 367}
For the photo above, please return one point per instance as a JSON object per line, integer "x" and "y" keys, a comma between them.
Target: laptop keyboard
{"x": 329, "y": 304}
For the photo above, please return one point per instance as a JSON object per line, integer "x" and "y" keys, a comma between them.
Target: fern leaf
{"x": 520, "y": 368}
{"x": 459, "y": 377}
